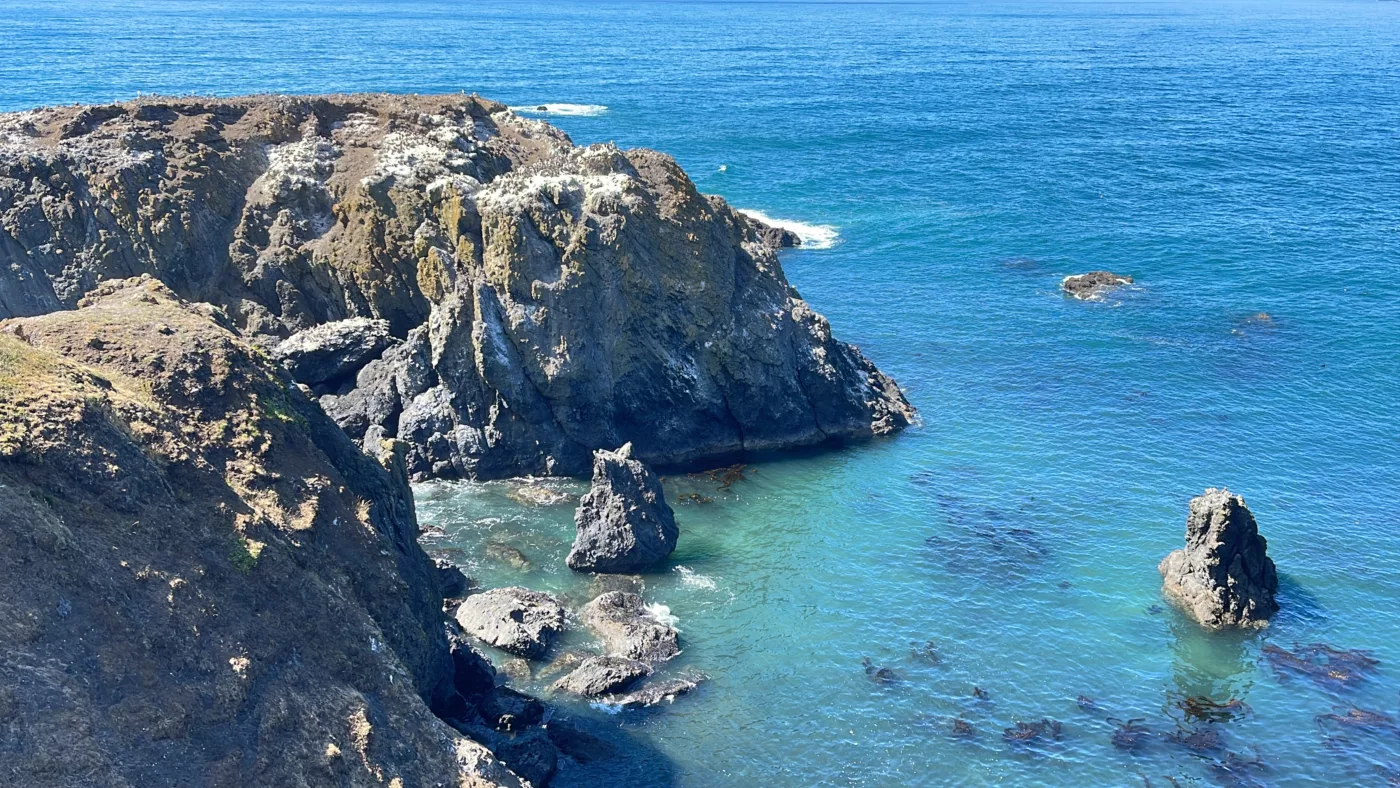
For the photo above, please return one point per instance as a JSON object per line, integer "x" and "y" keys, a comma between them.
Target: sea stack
{"x": 624, "y": 523}
{"x": 1224, "y": 577}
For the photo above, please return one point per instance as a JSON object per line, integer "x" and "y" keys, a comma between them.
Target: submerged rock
{"x": 628, "y": 629}
{"x": 623, "y": 522}
{"x": 657, "y": 691}
{"x": 553, "y": 299}
{"x": 516, "y": 620}
{"x": 1224, "y": 576}
{"x": 603, "y": 676}
{"x": 330, "y": 351}
{"x": 1093, "y": 285}
{"x": 202, "y": 580}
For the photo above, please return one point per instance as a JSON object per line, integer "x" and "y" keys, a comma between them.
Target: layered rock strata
{"x": 547, "y": 300}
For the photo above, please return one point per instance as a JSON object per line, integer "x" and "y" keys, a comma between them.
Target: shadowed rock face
{"x": 201, "y": 578}
{"x": 1224, "y": 577}
{"x": 552, "y": 300}
{"x": 623, "y": 522}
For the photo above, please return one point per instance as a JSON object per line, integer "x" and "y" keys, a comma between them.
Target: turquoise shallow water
{"x": 1236, "y": 158}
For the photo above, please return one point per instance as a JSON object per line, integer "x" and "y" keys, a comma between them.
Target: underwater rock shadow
{"x": 604, "y": 752}
{"x": 1297, "y": 605}
{"x": 984, "y": 541}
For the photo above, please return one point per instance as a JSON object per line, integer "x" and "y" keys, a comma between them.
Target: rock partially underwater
{"x": 623, "y": 522}
{"x": 202, "y": 580}
{"x": 545, "y": 300}
{"x": 1224, "y": 576}
{"x": 1093, "y": 285}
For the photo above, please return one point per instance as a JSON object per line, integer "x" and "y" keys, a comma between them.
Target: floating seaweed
{"x": 1200, "y": 739}
{"x": 878, "y": 674}
{"x": 925, "y": 652}
{"x": 1087, "y": 704}
{"x": 962, "y": 728}
{"x": 694, "y": 498}
{"x": 1203, "y": 708}
{"x": 1127, "y": 735}
{"x": 726, "y": 476}
{"x": 981, "y": 694}
{"x": 1235, "y": 771}
{"x": 1324, "y": 665}
{"x": 1031, "y": 731}
{"x": 1357, "y": 718}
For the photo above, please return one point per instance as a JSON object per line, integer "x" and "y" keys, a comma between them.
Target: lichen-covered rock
{"x": 602, "y": 676}
{"x": 1224, "y": 576}
{"x": 623, "y": 522}
{"x": 553, "y": 300}
{"x": 202, "y": 580}
{"x": 328, "y": 352}
{"x": 517, "y": 620}
{"x": 1093, "y": 285}
{"x": 628, "y": 629}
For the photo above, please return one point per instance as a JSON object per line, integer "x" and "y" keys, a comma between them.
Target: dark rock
{"x": 1224, "y": 577}
{"x": 1093, "y": 285}
{"x": 331, "y": 351}
{"x": 451, "y": 580}
{"x": 603, "y": 676}
{"x": 507, "y": 710}
{"x": 657, "y": 691}
{"x": 577, "y": 743}
{"x": 473, "y": 675}
{"x": 517, "y": 620}
{"x": 628, "y": 629}
{"x": 774, "y": 238}
{"x": 623, "y": 522}
{"x": 531, "y": 755}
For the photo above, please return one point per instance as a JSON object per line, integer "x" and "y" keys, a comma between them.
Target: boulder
{"x": 628, "y": 629}
{"x": 516, "y": 620}
{"x": 657, "y": 691}
{"x": 453, "y": 582}
{"x": 623, "y": 522}
{"x": 1224, "y": 577}
{"x": 331, "y": 351}
{"x": 1093, "y": 285}
{"x": 603, "y": 676}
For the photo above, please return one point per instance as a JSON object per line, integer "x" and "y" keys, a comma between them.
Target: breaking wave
{"x": 578, "y": 110}
{"x": 814, "y": 236}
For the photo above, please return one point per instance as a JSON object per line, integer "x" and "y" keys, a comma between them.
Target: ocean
{"x": 951, "y": 163}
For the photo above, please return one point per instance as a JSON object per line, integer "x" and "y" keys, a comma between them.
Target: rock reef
{"x": 627, "y": 629}
{"x": 201, "y": 577}
{"x": 1224, "y": 577}
{"x": 1093, "y": 285}
{"x": 623, "y": 522}
{"x": 546, "y": 300}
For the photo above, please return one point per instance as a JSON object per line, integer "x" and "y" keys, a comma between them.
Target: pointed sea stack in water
{"x": 1224, "y": 577}
{"x": 624, "y": 523}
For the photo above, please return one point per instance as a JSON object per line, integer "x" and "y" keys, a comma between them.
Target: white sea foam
{"x": 693, "y": 580}
{"x": 578, "y": 110}
{"x": 662, "y": 614}
{"x": 814, "y": 236}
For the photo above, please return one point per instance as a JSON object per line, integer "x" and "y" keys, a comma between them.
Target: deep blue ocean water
{"x": 1236, "y": 158}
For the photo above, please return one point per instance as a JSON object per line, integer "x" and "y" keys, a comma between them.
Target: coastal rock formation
{"x": 602, "y": 676}
{"x": 1093, "y": 285}
{"x": 325, "y": 353}
{"x": 1224, "y": 577}
{"x": 657, "y": 691}
{"x": 623, "y": 522}
{"x": 517, "y": 620}
{"x": 549, "y": 299}
{"x": 628, "y": 629}
{"x": 202, "y": 580}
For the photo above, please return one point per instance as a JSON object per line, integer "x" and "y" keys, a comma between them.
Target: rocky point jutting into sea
{"x": 205, "y": 573}
{"x": 539, "y": 300}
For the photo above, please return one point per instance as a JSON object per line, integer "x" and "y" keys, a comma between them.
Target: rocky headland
{"x": 500, "y": 299}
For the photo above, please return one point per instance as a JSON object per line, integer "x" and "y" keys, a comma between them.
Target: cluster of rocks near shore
{"x": 231, "y": 332}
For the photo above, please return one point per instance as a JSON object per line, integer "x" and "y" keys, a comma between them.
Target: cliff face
{"x": 547, "y": 299}
{"x": 201, "y": 577}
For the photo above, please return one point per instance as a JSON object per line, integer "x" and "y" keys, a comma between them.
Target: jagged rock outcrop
{"x": 623, "y": 522}
{"x": 1224, "y": 576}
{"x": 602, "y": 676}
{"x": 514, "y": 619}
{"x": 1093, "y": 285}
{"x": 328, "y": 352}
{"x": 551, "y": 300}
{"x": 202, "y": 580}
{"x": 627, "y": 629}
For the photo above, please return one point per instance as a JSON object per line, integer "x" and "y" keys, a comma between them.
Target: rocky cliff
{"x": 544, "y": 299}
{"x": 202, "y": 579}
